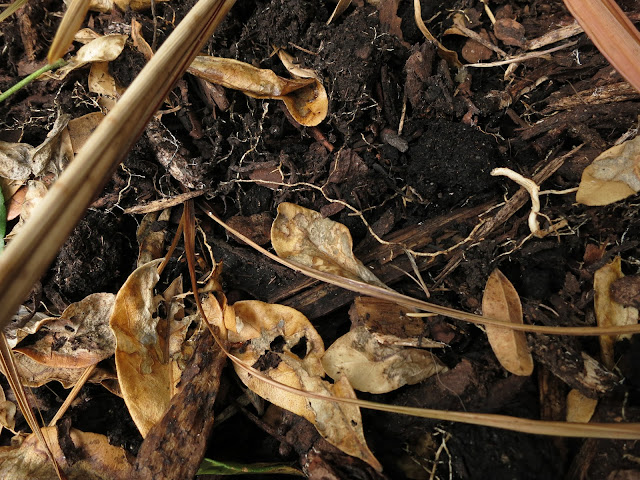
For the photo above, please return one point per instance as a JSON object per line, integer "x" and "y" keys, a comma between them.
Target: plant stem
{"x": 30, "y": 78}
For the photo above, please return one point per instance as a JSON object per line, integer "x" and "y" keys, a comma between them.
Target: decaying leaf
{"x": 34, "y": 193}
{"x": 143, "y": 356}
{"x": 609, "y": 313}
{"x": 580, "y": 408}
{"x": 341, "y": 6}
{"x": 501, "y": 301}
{"x": 7, "y": 412}
{"x": 22, "y": 324}
{"x": 305, "y": 98}
{"x": 102, "y": 82}
{"x": 281, "y": 343}
{"x": 81, "y": 128}
{"x": 614, "y": 175}
{"x": 304, "y": 236}
{"x": 105, "y": 6}
{"x": 83, "y": 456}
{"x": 79, "y": 338}
{"x": 102, "y": 49}
{"x": 150, "y": 236}
{"x": 376, "y": 368}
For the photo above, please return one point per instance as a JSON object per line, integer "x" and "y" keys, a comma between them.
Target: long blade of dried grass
{"x": 31, "y": 251}
{"x": 70, "y": 24}
{"x": 612, "y": 32}
{"x": 384, "y": 294}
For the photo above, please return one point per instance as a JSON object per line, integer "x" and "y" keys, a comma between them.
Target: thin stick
{"x": 29, "y": 254}
{"x": 86, "y": 375}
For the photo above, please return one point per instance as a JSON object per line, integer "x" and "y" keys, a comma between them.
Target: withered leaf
{"x": 375, "y": 368}
{"x": 7, "y": 412}
{"x": 580, "y": 408}
{"x": 96, "y": 458}
{"x": 609, "y": 313}
{"x": 306, "y": 237}
{"x": 101, "y": 49}
{"x": 613, "y": 175}
{"x": 305, "y": 98}
{"x": 143, "y": 357}
{"x": 79, "y": 338}
{"x": 281, "y": 343}
{"x": 501, "y": 301}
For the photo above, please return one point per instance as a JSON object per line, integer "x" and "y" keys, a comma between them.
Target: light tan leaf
{"x": 102, "y": 49}
{"x": 124, "y": 5}
{"x": 141, "y": 355}
{"x": 281, "y": 343}
{"x": 22, "y": 324}
{"x": 614, "y": 175}
{"x": 376, "y": 368}
{"x": 149, "y": 349}
{"x": 609, "y": 313}
{"x": 305, "y": 98}
{"x": 580, "y": 408}
{"x": 79, "y": 338}
{"x": 95, "y": 458}
{"x": 304, "y": 236}
{"x": 81, "y": 128}
{"x": 150, "y": 237}
{"x": 138, "y": 40}
{"x": 15, "y": 161}
{"x": 102, "y": 82}
{"x": 501, "y": 301}
{"x": 36, "y": 191}
{"x": 7, "y": 412}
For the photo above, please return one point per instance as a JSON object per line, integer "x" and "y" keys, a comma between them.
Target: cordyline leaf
{"x": 95, "y": 458}
{"x": 305, "y": 236}
{"x": 305, "y": 98}
{"x": 145, "y": 372}
{"x": 102, "y": 49}
{"x": 501, "y": 301}
{"x": 609, "y": 313}
{"x": 281, "y": 343}
{"x": 614, "y": 175}
{"x": 375, "y": 368}
{"x": 79, "y": 338}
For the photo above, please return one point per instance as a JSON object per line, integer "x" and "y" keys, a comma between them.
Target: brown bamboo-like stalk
{"x": 612, "y": 32}
{"x": 31, "y": 251}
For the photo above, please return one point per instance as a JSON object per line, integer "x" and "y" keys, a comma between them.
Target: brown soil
{"x": 428, "y": 184}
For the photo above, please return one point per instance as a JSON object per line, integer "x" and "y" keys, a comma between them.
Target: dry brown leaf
{"x": 501, "y": 301}
{"x": 614, "y": 175}
{"x": 102, "y": 49}
{"x": 305, "y": 236}
{"x": 22, "y": 324}
{"x": 102, "y": 82}
{"x": 105, "y": 6}
{"x": 81, "y": 128}
{"x": 341, "y": 6}
{"x": 580, "y": 408}
{"x": 150, "y": 237}
{"x": 93, "y": 458}
{"x": 148, "y": 356}
{"x": 375, "y": 368}
{"x": 305, "y": 98}
{"x": 138, "y": 40}
{"x": 450, "y": 56}
{"x": 79, "y": 338}
{"x": 609, "y": 313}
{"x": 35, "y": 192}
{"x": 281, "y": 343}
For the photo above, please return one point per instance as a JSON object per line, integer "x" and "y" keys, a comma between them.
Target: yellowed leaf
{"x": 305, "y": 98}
{"x": 305, "y": 236}
{"x": 501, "y": 301}
{"x": 95, "y": 458}
{"x": 281, "y": 343}
{"x": 614, "y": 175}
{"x": 580, "y": 408}
{"x": 375, "y": 368}
{"x": 609, "y": 313}
{"x": 80, "y": 337}
{"x": 102, "y": 49}
{"x": 142, "y": 363}
{"x": 138, "y": 40}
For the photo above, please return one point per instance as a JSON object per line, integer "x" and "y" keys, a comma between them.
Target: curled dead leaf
{"x": 375, "y": 368}
{"x": 281, "y": 343}
{"x": 7, "y": 412}
{"x": 501, "y": 301}
{"x": 145, "y": 361}
{"x": 101, "y": 49}
{"x": 95, "y": 458}
{"x": 305, "y": 98}
{"x": 79, "y": 338}
{"x": 580, "y": 408}
{"x": 609, "y": 313}
{"x": 305, "y": 236}
{"x": 614, "y": 175}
